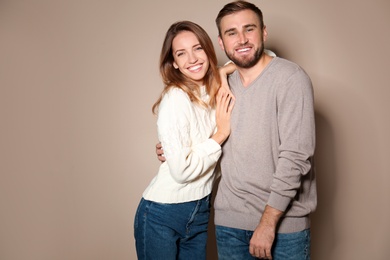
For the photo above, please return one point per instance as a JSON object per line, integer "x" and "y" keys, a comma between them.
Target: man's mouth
{"x": 243, "y": 49}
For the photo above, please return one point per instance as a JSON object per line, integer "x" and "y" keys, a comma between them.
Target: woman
{"x": 193, "y": 121}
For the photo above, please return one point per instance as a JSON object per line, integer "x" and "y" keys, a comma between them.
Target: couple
{"x": 265, "y": 123}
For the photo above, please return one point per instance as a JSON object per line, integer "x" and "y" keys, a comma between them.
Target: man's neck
{"x": 249, "y": 75}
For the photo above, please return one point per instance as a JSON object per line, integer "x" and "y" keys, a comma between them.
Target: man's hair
{"x": 174, "y": 78}
{"x": 235, "y": 7}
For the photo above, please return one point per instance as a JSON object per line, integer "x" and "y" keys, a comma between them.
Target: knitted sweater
{"x": 267, "y": 158}
{"x": 184, "y": 130}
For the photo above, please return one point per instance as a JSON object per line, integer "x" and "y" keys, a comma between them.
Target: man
{"x": 267, "y": 188}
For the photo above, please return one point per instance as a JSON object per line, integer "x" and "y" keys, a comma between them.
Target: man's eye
{"x": 231, "y": 33}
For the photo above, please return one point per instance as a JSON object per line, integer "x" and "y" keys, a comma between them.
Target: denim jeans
{"x": 172, "y": 231}
{"x": 234, "y": 244}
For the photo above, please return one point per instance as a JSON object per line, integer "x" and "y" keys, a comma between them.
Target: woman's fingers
{"x": 225, "y": 100}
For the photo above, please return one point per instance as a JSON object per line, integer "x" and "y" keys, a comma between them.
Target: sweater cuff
{"x": 278, "y": 202}
{"x": 213, "y": 148}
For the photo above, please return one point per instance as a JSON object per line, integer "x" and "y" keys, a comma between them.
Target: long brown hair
{"x": 174, "y": 78}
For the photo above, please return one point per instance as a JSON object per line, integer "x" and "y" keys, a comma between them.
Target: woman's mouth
{"x": 195, "y": 68}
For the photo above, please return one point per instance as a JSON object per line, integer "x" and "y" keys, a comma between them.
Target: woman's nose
{"x": 192, "y": 58}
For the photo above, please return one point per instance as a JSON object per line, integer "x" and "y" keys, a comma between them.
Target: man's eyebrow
{"x": 245, "y": 27}
{"x": 250, "y": 25}
{"x": 229, "y": 30}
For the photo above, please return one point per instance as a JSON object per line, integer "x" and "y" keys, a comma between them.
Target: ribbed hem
{"x": 249, "y": 222}
{"x": 183, "y": 194}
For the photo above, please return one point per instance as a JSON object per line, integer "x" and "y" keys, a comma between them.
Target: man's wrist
{"x": 271, "y": 217}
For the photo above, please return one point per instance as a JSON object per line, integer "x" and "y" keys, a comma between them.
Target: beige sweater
{"x": 267, "y": 158}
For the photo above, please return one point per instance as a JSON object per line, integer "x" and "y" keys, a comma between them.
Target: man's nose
{"x": 243, "y": 39}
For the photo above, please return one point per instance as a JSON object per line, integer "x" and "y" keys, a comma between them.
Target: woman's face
{"x": 189, "y": 56}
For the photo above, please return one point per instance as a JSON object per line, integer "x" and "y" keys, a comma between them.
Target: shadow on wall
{"x": 322, "y": 222}
{"x": 322, "y": 227}
{"x": 212, "y": 253}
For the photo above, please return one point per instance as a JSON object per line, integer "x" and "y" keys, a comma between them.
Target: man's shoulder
{"x": 285, "y": 63}
{"x": 288, "y": 68}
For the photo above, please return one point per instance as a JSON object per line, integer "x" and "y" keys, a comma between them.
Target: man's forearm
{"x": 271, "y": 217}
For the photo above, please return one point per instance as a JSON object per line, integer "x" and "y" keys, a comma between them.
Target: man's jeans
{"x": 233, "y": 244}
{"x": 172, "y": 231}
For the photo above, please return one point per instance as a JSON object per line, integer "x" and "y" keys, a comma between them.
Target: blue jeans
{"x": 234, "y": 244}
{"x": 172, "y": 231}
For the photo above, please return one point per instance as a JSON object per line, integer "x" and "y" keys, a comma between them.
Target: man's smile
{"x": 243, "y": 49}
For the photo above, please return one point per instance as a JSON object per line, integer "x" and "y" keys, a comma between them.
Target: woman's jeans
{"x": 233, "y": 244}
{"x": 172, "y": 231}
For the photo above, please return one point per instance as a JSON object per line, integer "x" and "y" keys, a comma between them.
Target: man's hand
{"x": 160, "y": 153}
{"x": 261, "y": 242}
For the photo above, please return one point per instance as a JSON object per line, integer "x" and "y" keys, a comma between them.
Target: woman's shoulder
{"x": 174, "y": 91}
{"x": 175, "y": 95}
{"x": 175, "y": 108}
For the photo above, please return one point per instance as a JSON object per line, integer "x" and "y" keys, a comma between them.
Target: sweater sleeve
{"x": 297, "y": 138}
{"x": 186, "y": 159}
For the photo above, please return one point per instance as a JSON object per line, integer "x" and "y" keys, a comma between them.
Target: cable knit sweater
{"x": 184, "y": 130}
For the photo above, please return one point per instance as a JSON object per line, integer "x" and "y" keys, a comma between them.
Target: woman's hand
{"x": 225, "y": 104}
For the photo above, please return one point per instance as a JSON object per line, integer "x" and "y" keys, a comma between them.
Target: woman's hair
{"x": 174, "y": 78}
{"x": 235, "y": 7}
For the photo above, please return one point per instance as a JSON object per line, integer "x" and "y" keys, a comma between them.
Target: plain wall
{"x": 77, "y": 82}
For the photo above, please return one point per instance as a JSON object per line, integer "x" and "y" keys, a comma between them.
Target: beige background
{"x": 78, "y": 79}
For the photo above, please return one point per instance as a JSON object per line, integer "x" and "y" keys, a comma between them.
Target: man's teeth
{"x": 243, "y": 50}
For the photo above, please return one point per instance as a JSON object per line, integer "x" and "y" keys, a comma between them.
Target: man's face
{"x": 242, "y": 38}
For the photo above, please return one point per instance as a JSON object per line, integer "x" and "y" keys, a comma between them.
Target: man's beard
{"x": 247, "y": 63}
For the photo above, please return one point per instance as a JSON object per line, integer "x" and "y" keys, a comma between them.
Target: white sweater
{"x": 184, "y": 130}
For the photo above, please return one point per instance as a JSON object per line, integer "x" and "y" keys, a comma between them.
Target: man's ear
{"x": 265, "y": 33}
{"x": 220, "y": 41}
{"x": 175, "y": 65}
